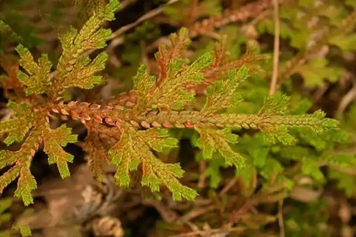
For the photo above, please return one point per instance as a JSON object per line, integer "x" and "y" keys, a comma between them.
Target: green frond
{"x": 25, "y": 184}
{"x": 96, "y": 154}
{"x": 272, "y": 166}
{"x": 135, "y": 147}
{"x": 156, "y": 173}
{"x": 278, "y": 133}
{"x": 31, "y": 129}
{"x": 259, "y": 152}
{"x": 21, "y": 161}
{"x": 171, "y": 93}
{"x": 212, "y": 140}
{"x": 318, "y": 69}
{"x": 311, "y": 167}
{"x": 245, "y": 177}
{"x": 167, "y": 54}
{"x": 85, "y": 70}
{"x": 275, "y": 105}
{"x": 277, "y": 126}
{"x": 345, "y": 182}
{"x": 338, "y": 159}
{"x": 324, "y": 142}
{"x": 54, "y": 140}
{"x": 37, "y": 78}
{"x": 17, "y": 128}
{"x": 159, "y": 139}
{"x": 224, "y": 92}
{"x": 143, "y": 86}
{"x": 168, "y": 90}
{"x": 214, "y": 166}
{"x": 275, "y": 122}
{"x": 72, "y": 65}
{"x": 25, "y": 231}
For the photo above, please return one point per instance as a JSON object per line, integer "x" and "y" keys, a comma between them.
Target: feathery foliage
{"x": 31, "y": 124}
{"x": 129, "y": 136}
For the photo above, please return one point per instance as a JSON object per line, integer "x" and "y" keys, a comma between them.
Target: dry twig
{"x": 273, "y": 85}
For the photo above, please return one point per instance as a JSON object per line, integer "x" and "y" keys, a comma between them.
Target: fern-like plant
{"x": 127, "y": 132}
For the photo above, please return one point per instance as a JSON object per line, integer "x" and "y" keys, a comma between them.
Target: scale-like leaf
{"x": 223, "y": 93}
{"x": 85, "y": 70}
{"x": 25, "y": 184}
{"x": 275, "y": 123}
{"x": 17, "y": 128}
{"x": 72, "y": 65}
{"x": 37, "y": 80}
{"x": 54, "y": 140}
{"x": 212, "y": 140}
{"x": 135, "y": 147}
{"x": 317, "y": 71}
{"x": 143, "y": 86}
{"x": 171, "y": 93}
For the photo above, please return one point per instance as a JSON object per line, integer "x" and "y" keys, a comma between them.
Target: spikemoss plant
{"x": 130, "y": 130}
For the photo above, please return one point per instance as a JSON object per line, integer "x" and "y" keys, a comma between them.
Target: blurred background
{"x": 302, "y": 48}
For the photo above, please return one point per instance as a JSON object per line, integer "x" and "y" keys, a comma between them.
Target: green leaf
{"x": 345, "y": 182}
{"x": 126, "y": 157}
{"x": 223, "y": 94}
{"x": 37, "y": 80}
{"x": 271, "y": 168}
{"x": 246, "y": 177}
{"x": 312, "y": 168}
{"x": 21, "y": 161}
{"x": 17, "y": 128}
{"x": 134, "y": 148}
{"x": 275, "y": 105}
{"x": 172, "y": 92}
{"x": 67, "y": 37}
{"x": 72, "y": 65}
{"x": 25, "y": 184}
{"x": 316, "y": 71}
{"x": 54, "y": 140}
{"x": 212, "y": 140}
{"x": 85, "y": 70}
{"x": 275, "y": 123}
{"x": 159, "y": 139}
{"x": 157, "y": 172}
{"x": 213, "y": 171}
{"x": 143, "y": 85}
{"x": 25, "y": 230}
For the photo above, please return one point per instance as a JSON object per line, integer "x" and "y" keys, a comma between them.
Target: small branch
{"x": 143, "y": 18}
{"x": 280, "y": 219}
{"x": 228, "y": 186}
{"x": 345, "y": 101}
{"x": 202, "y": 177}
{"x": 209, "y": 232}
{"x": 273, "y": 85}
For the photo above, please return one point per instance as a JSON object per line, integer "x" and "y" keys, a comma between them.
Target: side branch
{"x": 123, "y": 118}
